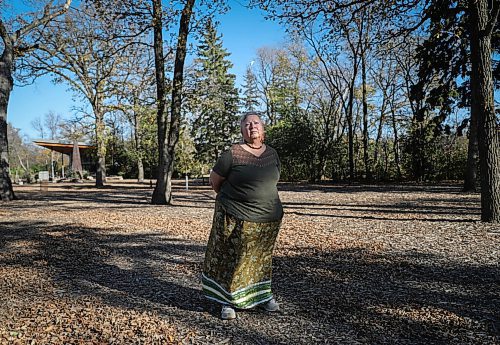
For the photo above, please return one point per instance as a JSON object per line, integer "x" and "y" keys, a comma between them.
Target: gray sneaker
{"x": 227, "y": 313}
{"x": 271, "y": 305}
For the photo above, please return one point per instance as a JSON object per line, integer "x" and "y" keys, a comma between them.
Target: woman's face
{"x": 252, "y": 129}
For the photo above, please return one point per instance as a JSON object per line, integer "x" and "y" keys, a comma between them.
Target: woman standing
{"x": 248, "y": 212}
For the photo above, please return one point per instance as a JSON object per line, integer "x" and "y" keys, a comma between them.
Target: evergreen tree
{"x": 443, "y": 84}
{"x": 215, "y": 101}
{"x": 460, "y": 46}
{"x": 250, "y": 99}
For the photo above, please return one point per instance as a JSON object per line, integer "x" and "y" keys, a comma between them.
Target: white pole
{"x": 187, "y": 183}
{"x": 62, "y": 165}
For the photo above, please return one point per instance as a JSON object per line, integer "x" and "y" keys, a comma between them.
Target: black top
{"x": 249, "y": 191}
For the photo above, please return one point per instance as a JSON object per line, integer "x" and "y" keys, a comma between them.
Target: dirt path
{"x": 353, "y": 265}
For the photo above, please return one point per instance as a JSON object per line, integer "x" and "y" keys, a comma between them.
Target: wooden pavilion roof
{"x": 62, "y": 147}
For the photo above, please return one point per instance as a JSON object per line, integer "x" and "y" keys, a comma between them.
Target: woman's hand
{"x": 216, "y": 181}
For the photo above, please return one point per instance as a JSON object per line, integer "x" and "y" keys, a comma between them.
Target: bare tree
{"x": 163, "y": 190}
{"x": 326, "y": 98}
{"x": 39, "y": 127}
{"x": 85, "y": 52}
{"x": 135, "y": 96}
{"x": 16, "y": 42}
{"x": 404, "y": 17}
{"x": 267, "y": 71}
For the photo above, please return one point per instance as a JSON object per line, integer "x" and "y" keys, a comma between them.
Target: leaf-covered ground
{"x": 353, "y": 265}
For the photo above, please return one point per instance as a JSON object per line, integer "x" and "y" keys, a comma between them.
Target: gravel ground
{"x": 392, "y": 264}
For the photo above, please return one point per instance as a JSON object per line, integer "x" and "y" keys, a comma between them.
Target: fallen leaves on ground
{"x": 401, "y": 264}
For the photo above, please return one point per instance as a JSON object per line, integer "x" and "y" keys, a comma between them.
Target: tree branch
{"x": 47, "y": 16}
{"x": 493, "y": 18}
{"x": 7, "y": 41}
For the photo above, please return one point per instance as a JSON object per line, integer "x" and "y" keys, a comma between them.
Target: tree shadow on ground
{"x": 144, "y": 272}
{"x": 112, "y": 198}
{"x": 407, "y": 219}
{"x": 415, "y": 210}
{"x": 418, "y": 208}
{"x": 405, "y": 298}
{"x": 338, "y": 296}
{"x": 401, "y": 207}
{"x": 374, "y": 188}
{"x": 101, "y": 262}
{"x": 346, "y": 295}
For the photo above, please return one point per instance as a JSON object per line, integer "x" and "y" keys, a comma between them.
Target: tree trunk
{"x": 101, "y": 147}
{"x": 366, "y": 157}
{"x": 6, "y": 83}
{"x": 376, "y": 145}
{"x": 140, "y": 163}
{"x": 138, "y": 148}
{"x": 323, "y": 152}
{"x": 52, "y": 172}
{"x": 320, "y": 168}
{"x": 159, "y": 193}
{"x": 470, "y": 179}
{"x": 396, "y": 142}
{"x": 140, "y": 170}
{"x": 163, "y": 189}
{"x": 483, "y": 107}
{"x": 350, "y": 130}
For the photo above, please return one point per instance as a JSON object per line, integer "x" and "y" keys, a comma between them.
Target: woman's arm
{"x": 216, "y": 181}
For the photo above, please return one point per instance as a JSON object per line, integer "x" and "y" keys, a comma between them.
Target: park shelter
{"x": 67, "y": 148}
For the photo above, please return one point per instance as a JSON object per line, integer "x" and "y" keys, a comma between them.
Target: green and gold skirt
{"x": 238, "y": 261}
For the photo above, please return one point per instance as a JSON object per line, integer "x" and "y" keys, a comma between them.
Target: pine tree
{"x": 250, "y": 99}
{"x": 215, "y": 101}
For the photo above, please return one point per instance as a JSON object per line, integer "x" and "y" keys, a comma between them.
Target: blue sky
{"x": 243, "y": 30}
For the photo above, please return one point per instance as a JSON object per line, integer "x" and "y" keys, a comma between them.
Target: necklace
{"x": 252, "y": 147}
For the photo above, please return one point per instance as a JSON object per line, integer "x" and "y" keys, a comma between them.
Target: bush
{"x": 294, "y": 141}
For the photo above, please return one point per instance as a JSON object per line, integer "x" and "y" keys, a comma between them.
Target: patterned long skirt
{"x": 238, "y": 261}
